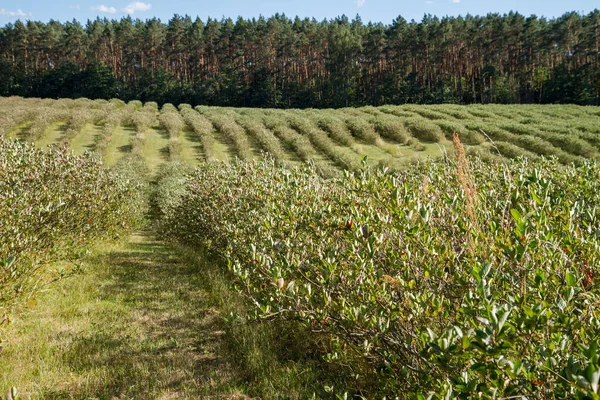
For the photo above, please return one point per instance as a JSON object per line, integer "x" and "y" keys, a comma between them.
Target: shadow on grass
{"x": 154, "y": 334}
{"x": 155, "y": 329}
{"x": 196, "y": 145}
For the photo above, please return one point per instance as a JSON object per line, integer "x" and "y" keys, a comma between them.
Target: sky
{"x": 369, "y": 10}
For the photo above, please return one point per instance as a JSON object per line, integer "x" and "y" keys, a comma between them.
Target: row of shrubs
{"x": 202, "y": 128}
{"x": 256, "y": 129}
{"x": 296, "y": 143}
{"x": 172, "y": 121}
{"x": 224, "y": 121}
{"x": 321, "y": 141}
{"x": 482, "y": 282}
{"x": 53, "y": 205}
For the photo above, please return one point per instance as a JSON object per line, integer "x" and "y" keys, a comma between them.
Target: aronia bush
{"x": 444, "y": 279}
{"x": 52, "y": 205}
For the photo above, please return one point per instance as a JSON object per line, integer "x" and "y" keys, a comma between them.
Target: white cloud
{"x": 139, "y": 6}
{"x": 428, "y": 2}
{"x": 455, "y": 1}
{"x": 12, "y": 14}
{"x": 104, "y": 9}
{"x": 360, "y": 3}
{"x": 75, "y": 6}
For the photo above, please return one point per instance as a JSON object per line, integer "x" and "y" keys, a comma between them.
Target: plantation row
{"x": 444, "y": 279}
{"x": 393, "y": 136}
{"x": 53, "y": 205}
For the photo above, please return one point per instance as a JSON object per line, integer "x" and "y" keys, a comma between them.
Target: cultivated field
{"x": 393, "y": 136}
{"x": 460, "y": 277}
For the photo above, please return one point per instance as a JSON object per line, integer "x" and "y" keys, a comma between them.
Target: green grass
{"x": 145, "y": 320}
{"x": 52, "y": 135}
{"x": 120, "y": 144}
{"x": 20, "y": 131}
{"x": 156, "y": 147}
{"x": 86, "y": 139}
{"x": 224, "y": 149}
{"x": 191, "y": 149}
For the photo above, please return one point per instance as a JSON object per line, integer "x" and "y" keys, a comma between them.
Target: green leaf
{"x": 516, "y": 215}
{"x": 571, "y": 279}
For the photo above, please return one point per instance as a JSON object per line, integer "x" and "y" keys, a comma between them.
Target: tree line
{"x": 283, "y": 62}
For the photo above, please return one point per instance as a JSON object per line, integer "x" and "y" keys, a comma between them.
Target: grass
{"x": 86, "y": 139}
{"x": 120, "y": 143}
{"x": 191, "y": 149}
{"x": 156, "y": 147}
{"x": 146, "y": 321}
{"x": 52, "y": 135}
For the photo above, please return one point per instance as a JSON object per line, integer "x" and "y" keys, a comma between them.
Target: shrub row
{"x": 112, "y": 121}
{"x": 173, "y": 123}
{"x": 11, "y": 120}
{"x": 391, "y": 127}
{"x": 79, "y": 119}
{"x": 295, "y": 142}
{"x": 424, "y": 130}
{"x": 321, "y": 141}
{"x": 255, "y": 128}
{"x": 225, "y": 123}
{"x": 335, "y": 127}
{"x": 362, "y": 129}
{"x": 202, "y": 128}
{"x": 434, "y": 280}
{"x": 43, "y": 120}
{"x": 142, "y": 120}
{"x": 52, "y": 205}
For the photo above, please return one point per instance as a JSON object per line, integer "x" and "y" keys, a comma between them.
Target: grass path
{"x": 156, "y": 147}
{"x": 119, "y": 145}
{"x": 139, "y": 323}
{"x": 86, "y": 139}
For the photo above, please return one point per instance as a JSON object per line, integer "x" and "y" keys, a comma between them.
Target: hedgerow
{"x": 173, "y": 123}
{"x": 202, "y": 128}
{"x": 52, "y": 205}
{"x": 444, "y": 279}
{"x": 254, "y": 127}
{"x": 424, "y": 130}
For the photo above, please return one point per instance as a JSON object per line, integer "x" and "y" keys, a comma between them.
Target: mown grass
{"x": 148, "y": 321}
{"x": 120, "y": 143}
{"x": 86, "y": 139}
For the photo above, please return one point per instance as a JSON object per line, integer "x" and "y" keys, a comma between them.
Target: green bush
{"x": 425, "y": 112}
{"x": 166, "y": 194}
{"x": 424, "y": 286}
{"x": 424, "y": 130}
{"x": 267, "y": 140}
{"x": 457, "y": 112}
{"x": 467, "y": 136}
{"x": 336, "y": 128}
{"x": 362, "y": 129}
{"x": 224, "y": 122}
{"x": 391, "y": 128}
{"x": 136, "y": 104}
{"x": 52, "y": 205}
{"x": 202, "y": 128}
{"x": 510, "y": 150}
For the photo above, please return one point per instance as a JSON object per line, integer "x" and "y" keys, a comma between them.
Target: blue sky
{"x": 369, "y": 10}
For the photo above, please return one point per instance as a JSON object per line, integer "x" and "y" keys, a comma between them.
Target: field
{"x": 393, "y": 136}
{"x": 442, "y": 275}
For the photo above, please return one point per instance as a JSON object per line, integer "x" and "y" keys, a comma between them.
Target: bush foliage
{"x": 52, "y": 205}
{"x": 433, "y": 280}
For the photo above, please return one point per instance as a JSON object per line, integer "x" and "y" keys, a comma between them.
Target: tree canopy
{"x": 283, "y": 62}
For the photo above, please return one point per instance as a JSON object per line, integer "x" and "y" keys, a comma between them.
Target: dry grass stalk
{"x": 465, "y": 179}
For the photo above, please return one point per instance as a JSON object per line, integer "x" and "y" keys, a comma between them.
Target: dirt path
{"x": 139, "y": 324}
